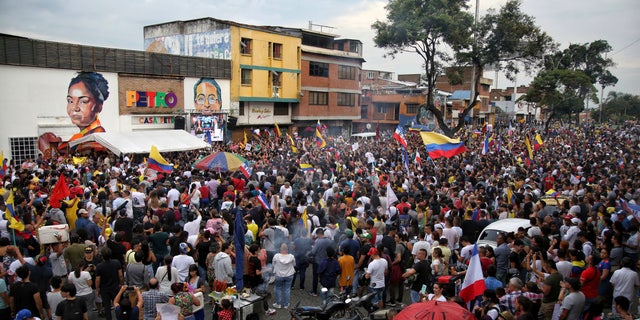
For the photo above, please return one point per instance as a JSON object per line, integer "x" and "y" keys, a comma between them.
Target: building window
{"x": 241, "y": 108}
{"x": 245, "y": 46}
{"x": 371, "y": 75}
{"x": 281, "y": 109}
{"x": 355, "y": 47}
{"x": 318, "y": 69}
{"x": 23, "y": 148}
{"x": 346, "y": 72}
{"x": 318, "y": 98}
{"x": 381, "y": 108}
{"x": 245, "y": 76}
{"x": 412, "y": 108}
{"x": 346, "y": 99}
{"x": 276, "y": 50}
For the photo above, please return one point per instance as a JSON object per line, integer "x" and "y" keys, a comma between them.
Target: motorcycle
{"x": 334, "y": 308}
{"x": 356, "y": 305}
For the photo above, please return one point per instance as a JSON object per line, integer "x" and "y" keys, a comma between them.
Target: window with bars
{"x": 318, "y": 98}
{"x": 371, "y": 75}
{"x": 346, "y": 72}
{"x": 245, "y": 46}
{"x": 245, "y": 77}
{"x": 23, "y": 148}
{"x": 318, "y": 69}
{"x": 412, "y": 108}
{"x": 346, "y": 99}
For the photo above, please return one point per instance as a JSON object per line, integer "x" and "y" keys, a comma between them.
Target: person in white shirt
{"x": 193, "y": 227}
{"x": 172, "y": 195}
{"x": 183, "y": 261}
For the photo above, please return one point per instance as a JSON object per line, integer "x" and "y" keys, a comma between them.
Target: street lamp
{"x": 601, "y": 102}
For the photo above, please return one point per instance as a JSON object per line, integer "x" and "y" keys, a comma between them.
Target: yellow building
{"x": 265, "y": 62}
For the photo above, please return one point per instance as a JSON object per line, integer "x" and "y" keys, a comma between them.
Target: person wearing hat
{"x": 375, "y": 272}
{"x": 25, "y": 314}
{"x": 353, "y": 244}
{"x": 183, "y": 261}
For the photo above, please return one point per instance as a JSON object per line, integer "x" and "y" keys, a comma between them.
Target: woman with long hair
{"x": 81, "y": 279}
{"x": 167, "y": 275}
{"x": 438, "y": 293}
{"x": 437, "y": 265}
{"x": 195, "y": 283}
{"x": 149, "y": 257}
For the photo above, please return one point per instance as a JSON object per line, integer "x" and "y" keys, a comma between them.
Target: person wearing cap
{"x": 375, "y": 272}
{"x": 25, "y": 314}
{"x": 183, "y": 261}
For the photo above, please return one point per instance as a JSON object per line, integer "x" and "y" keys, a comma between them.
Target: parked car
{"x": 489, "y": 234}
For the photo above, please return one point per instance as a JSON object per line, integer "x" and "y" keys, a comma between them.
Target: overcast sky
{"x": 119, "y": 24}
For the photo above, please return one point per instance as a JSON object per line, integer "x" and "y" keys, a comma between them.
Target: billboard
{"x": 215, "y": 44}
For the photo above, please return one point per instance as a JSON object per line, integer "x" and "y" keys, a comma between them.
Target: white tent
{"x": 141, "y": 141}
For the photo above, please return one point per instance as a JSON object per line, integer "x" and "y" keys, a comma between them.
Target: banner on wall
{"x": 208, "y": 126}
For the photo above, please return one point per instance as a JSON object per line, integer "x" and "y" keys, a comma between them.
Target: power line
{"x": 629, "y": 45}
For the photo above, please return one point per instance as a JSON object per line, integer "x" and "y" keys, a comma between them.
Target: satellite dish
{"x": 368, "y": 126}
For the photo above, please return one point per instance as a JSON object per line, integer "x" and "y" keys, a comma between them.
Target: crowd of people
{"x": 359, "y": 215}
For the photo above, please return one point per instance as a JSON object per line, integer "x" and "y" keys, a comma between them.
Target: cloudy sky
{"x": 119, "y": 24}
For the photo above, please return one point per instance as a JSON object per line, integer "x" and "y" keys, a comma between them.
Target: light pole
{"x": 601, "y": 102}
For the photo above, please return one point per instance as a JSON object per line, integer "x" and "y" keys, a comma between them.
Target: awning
{"x": 141, "y": 141}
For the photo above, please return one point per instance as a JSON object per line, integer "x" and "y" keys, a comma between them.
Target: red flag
{"x": 59, "y": 192}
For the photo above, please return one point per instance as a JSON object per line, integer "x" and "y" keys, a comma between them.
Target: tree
{"x": 568, "y": 79}
{"x": 619, "y": 107}
{"x": 443, "y": 34}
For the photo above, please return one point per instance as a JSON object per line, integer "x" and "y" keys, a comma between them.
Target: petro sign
{"x": 151, "y": 99}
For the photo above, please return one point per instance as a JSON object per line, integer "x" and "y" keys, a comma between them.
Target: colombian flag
{"x": 529, "y": 150}
{"x": 157, "y": 162}
{"x": 438, "y": 145}
{"x": 306, "y": 167}
{"x": 537, "y": 142}
{"x": 10, "y": 214}
{"x": 277, "y": 130}
{"x": 3, "y": 165}
{"x": 320, "y": 140}
{"x": 294, "y": 149}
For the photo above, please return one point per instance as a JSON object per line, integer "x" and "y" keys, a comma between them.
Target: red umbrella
{"x": 434, "y": 310}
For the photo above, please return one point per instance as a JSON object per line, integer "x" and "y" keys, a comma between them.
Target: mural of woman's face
{"x": 207, "y": 101}
{"x": 82, "y": 106}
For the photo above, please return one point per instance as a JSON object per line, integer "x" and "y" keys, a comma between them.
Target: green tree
{"x": 572, "y": 73}
{"x": 444, "y": 34}
{"x": 619, "y": 107}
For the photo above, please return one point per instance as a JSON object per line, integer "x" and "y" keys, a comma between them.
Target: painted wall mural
{"x": 208, "y": 123}
{"x": 215, "y": 44}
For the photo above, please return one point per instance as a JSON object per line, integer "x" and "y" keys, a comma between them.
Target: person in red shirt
{"x": 227, "y": 310}
{"x": 204, "y": 195}
{"x": 590, "y": 280}
{"x": 485, "y": 261}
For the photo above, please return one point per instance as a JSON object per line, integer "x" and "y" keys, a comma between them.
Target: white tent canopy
{"x": 141, "y": 141}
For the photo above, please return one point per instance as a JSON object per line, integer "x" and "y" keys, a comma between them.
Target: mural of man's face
{"x": 207, "y": 100}
{"x": 82, "y": 106}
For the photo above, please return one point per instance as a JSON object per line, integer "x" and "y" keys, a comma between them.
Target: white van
{"x": 489, "y": 234}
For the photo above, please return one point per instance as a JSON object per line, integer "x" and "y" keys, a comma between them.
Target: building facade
{"x": 265, "y": 64}
{"x": 137, "y": 91}
{"x": 461, "y": 95}
{"x": 386, "y": 102}
{"x": 512, "y": 107}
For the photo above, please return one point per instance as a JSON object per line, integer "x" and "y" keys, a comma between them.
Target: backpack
{"x": 407, "y": 258}
{"x": 278, "y": 238}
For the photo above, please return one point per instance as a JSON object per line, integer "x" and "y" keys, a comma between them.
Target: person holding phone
{"x": 420, "y": 272}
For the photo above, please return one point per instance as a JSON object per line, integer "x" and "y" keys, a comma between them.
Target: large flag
{"x": 485, "y": 145}
{"x": 306, "y": 167}
{"x": 399, "y": 136}
{"x": 246, "y": 170}
{"x": 537, "y": 142}
{"x": 157, "y": 162}
{"x": 262, "y": 198}
{"x": 60, "y": 192}
{"x": 418, "y": 159}
{"x": 473, "y": 284}
{"x": 510, "y": 130}
{"x": 438, "y": 145}
{"x": 319, "y": 139}
{"x": 294, "y": 149}
{"x": 277, "y": 130}
{"x": 11, "y": 216}
{"x": 238, "y": 241}
{"x": 391, "y": 196}
{"x": 529, "y": 149}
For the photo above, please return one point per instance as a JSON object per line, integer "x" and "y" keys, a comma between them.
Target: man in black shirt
{"x": 108, "y": 279}
{"x": 125, "y": 224}
{"x": 24, "y": 294}
{"x": 422, "y": 271}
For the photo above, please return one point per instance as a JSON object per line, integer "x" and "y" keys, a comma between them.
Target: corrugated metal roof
{"x": 460, "y": 95}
